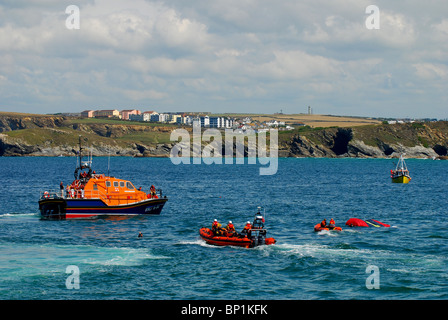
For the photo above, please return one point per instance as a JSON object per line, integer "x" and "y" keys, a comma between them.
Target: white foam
{"x": 17, "y": 214}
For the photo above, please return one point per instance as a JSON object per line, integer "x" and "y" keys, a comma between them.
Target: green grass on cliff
{"x": 146, "y": 138}
{"x": 55, "y": 137}
{"x": 410, "y": 134}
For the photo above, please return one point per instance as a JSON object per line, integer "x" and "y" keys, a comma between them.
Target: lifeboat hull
{"x": 94, "y": 208}
{"x": 318, "y": 228}
{"x": 208, "y": 236}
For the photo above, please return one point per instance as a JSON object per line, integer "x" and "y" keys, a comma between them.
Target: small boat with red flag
{"x": 253, "y": 235}
{"x": 93, "y": 195}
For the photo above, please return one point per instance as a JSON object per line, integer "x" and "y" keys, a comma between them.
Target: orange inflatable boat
{"x": 252, "y": 236}
{"x": 235, "y": 240}
{"x": 318, "y": 228}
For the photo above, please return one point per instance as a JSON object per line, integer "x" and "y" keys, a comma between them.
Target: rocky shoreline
{"x": 347, "y": 143}
{"x": 53, "y": 136}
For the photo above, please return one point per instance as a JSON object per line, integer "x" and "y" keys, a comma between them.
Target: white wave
{"x": 199, "y": 242}
{"x": 189, "y": 242}
{"x": 17, "y": 214}
{"x": 328, "y": 233}
{"x": 322, "y": 251}
{"x": 123, "y": 257}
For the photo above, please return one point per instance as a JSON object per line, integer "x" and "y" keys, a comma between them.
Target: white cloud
{"x": 431, "y": 71}
{"x": 230, "y": 55}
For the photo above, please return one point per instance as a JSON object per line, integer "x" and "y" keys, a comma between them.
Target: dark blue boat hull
{"x": 93, "y": 208}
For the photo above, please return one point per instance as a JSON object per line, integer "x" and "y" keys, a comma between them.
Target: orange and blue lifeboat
{"x": 99, "y": 195}
{"x": 93, "y": 195}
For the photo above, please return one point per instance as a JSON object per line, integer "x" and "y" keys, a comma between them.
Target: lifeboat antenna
{"x": 108, "y": 160}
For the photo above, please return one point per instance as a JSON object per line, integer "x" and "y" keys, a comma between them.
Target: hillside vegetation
{"x": 42, "y": 135}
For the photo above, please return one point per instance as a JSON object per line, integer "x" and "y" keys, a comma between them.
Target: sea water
{"x": 170, "y": 261}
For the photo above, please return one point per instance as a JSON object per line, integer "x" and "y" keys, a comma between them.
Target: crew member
{"x": 61, "y": 186}
{"x": 153, "y": 192}
{"x": 332, "y": 223}
{"x": 323, "y": 224}
{"x": 246, "y": 229}
{"x": 230, "y": 228}
{"x": 258, "y": 222}
{"x": 216, "y": 227}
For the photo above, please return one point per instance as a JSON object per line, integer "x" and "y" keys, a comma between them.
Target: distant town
{"x": 240, "y": 122}
{"x": 204, "y": 119}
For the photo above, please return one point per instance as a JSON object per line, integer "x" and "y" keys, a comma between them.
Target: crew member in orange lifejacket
{"x": 323, "y": 224}
{"x": 230, "y": 228}
{"x": 153, "y": 192}
{"x": 246, "y": 229}
{"x": 216, "y": 227}
{"x": 332, "y": 224}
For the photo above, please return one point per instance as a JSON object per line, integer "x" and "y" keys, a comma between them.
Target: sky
{"x": 226, "y": 56}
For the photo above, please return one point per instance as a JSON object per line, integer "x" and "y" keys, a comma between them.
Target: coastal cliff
{"x": 417, "y": 140}
{"x": 39, "y": 135}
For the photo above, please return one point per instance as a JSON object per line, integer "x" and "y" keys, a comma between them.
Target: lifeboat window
{"x": 107, "y": 183}
{"x": 121, "y": 184}
{"x": 115, "y": 183}
{"x": 129, "y": 185}
{"x": 95, "y": 186}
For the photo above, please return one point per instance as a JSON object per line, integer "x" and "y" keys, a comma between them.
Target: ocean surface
{"x": 406, "y": 261}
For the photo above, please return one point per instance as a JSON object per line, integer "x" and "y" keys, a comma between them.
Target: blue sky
{"x": 226, "y": 56}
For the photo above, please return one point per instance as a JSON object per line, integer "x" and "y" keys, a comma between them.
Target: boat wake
{"x": 327, "y": 233}
{"x": 18, "y": 214}
{"x": 48, "y": 258}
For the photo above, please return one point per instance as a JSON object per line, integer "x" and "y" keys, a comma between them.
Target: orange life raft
{"x": 318, "y": 228}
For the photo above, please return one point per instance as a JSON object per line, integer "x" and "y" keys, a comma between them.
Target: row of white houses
{"x": 153, "y": 116}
